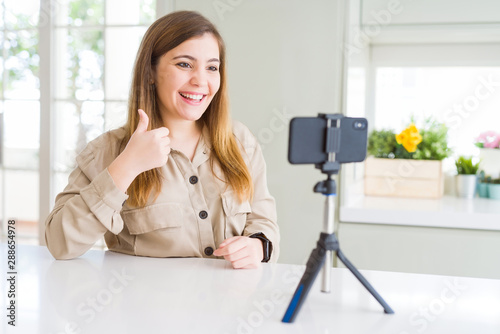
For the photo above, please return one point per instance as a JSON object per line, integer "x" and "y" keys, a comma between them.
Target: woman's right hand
{"x": 144, "y": 151}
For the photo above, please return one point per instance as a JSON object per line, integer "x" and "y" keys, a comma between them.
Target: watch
{"x": 267, "y": 245}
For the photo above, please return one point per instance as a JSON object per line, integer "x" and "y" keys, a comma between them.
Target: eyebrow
{"x": 194, "y": 59}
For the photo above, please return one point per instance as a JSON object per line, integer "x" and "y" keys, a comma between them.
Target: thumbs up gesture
{"x": 150, "y": 149}
{"x": 144, "y": 151}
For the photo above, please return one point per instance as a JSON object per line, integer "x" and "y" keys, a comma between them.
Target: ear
{"x": 152, "y": 79}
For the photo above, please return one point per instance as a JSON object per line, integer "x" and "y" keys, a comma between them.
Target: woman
{"x": 179, "y": 179}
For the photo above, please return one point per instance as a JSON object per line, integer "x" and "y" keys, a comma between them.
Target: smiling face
{"x": 187, "y": 78}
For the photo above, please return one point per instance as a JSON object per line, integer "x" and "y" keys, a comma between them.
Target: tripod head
{"x": 327, "y": 187}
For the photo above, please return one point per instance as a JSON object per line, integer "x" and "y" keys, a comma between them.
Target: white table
{"x": 106, "y": 292}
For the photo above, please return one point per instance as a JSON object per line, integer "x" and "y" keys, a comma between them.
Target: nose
{"x": 199, "y": 77}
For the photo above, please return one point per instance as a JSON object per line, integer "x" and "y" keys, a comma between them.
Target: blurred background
{"x": 66, "y": 65}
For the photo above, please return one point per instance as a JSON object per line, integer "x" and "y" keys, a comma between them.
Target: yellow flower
{"x": 409, "y": 138}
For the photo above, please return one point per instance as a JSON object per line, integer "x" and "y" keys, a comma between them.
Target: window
{"x": 466, "y": 99}
{"x": 458, "y": 84}
{"x": 93, "y": 47}
{"x": 19, "y": 115}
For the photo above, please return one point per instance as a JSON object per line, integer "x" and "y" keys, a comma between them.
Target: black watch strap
{"x": 267, "y": 245}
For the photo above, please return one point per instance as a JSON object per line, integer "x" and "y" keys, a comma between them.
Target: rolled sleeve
{"x": 89, "y": 206}
{"x": 105, "y": 200}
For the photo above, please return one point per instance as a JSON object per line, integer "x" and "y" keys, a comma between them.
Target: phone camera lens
{"x": 359, "y": 125}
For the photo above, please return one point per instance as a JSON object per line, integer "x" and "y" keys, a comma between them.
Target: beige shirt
{"x": 194, "y": 212}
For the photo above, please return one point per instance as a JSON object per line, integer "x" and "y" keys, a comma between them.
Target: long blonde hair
{"x": 163, "y": 35}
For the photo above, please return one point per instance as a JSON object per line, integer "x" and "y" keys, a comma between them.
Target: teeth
{"x": 192, "y": 96}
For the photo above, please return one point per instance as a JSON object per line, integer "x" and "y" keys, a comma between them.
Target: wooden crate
{"x": 404, "y": 178}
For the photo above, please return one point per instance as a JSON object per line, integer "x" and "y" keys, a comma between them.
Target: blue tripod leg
{"x": 313, "y": 266}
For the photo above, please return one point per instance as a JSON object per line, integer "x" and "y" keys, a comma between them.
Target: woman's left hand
{"x": 242, "y": 252}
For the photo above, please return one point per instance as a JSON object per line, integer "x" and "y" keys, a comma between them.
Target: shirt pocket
{"x": 167, "y": 217}
{"x": 235, "y": 214}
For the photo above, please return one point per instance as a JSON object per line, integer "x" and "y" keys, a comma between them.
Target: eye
{"x": 213, "y": 68}
{"x": 183, "y": 65}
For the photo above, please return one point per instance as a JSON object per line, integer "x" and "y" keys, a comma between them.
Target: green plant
{"x": 466, "y": 166}
{"x": 495, "y": 181}
{"x": 381, "y": 144}
{"x": 434, "y": 145}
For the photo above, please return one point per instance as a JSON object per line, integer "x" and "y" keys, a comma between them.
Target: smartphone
{"x": 307, "y": 140}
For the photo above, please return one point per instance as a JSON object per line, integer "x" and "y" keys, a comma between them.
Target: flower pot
{"x": 483, "y": 190}
{"x": 494, "y": 191}
{"x": 465, "y": 185}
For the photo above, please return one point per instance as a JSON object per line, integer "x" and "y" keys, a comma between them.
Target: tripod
{"x": 321, "y": 256}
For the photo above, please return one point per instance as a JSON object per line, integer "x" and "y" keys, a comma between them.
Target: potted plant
{"x": 407, "y": 164}
{"x": 494, "y": 189}
{"x": 488, "y": 139}
{"x": 465, "y": 181}
{"x": 483, "y": 185}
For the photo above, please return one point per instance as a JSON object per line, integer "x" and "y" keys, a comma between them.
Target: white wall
{"x": 283, "y": 61}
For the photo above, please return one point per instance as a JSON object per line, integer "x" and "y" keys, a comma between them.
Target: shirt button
{"x": 209, "y": 251}
{"x": 193, "y": 179}
{"x": 203, "y": 214}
